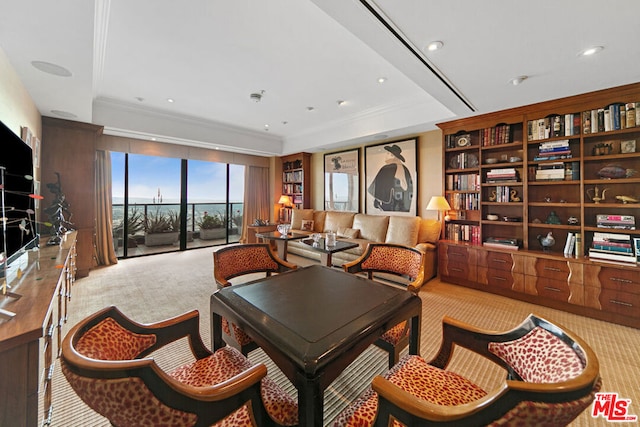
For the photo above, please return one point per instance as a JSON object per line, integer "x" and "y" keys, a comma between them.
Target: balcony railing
{"x": 137, "y": 242}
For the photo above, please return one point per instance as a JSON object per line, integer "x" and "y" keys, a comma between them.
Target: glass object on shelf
{"x": 284, "y": 229}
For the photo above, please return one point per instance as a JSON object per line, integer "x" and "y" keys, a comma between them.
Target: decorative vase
{"x": 546, "y": 241}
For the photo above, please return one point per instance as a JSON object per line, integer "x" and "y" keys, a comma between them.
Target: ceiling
{"x": 127, "y": 58}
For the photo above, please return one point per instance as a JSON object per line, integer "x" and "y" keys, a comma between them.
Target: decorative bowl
{"x": 491, "y": 160}
{"x": 284, "y": 229}
{"x": 492, "y": 217}
{"x": 515, "y": 159}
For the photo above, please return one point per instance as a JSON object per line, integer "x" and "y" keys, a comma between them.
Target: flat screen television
{"x": 16, "y": 160}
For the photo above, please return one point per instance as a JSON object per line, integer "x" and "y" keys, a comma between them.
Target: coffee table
{"x": 327, "y": 251}
{"x": 281, "y": 240}
{"x": 313, "y": 322}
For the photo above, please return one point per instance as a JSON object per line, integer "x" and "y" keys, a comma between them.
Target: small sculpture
{"x": 546, "y": 241}
{"x": 613, "y": 171}
{"x": 514, "y": 196}
{"x": 572, "y": 220}
{"x": 596, "y": 196}
{"x": 493, "y": 197}
{"x": 627, "y": 199}
{"x": 553, "y": 218}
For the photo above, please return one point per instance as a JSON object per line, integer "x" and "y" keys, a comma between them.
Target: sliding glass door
{"x": 166, "y": 204}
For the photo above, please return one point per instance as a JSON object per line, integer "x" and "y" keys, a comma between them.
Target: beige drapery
{"x": 105, "y": 252}
{"x": 256, "y": 197}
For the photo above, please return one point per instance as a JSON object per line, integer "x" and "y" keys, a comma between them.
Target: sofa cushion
{"x": 297, "y": 215}
{"x": 335, "y": 219}
{"x": 349, "y": 233}
{"x": 307, "y": 225}
{"x": 318, "y": 221}
{"x": 372, "y": 227}
{"x": 403, "y": 230}
{"x": 429, "y": 231}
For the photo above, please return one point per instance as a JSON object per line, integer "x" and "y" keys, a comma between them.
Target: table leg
{"x": 310, "y": 402}
{"x": 216, "y": 331}
{"x": 414, "y": 335}
{"x": 281, "y": 244}
{"x": 325, "y": 259}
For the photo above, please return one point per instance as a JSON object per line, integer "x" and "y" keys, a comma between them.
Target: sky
{"x": 149, "y": 174}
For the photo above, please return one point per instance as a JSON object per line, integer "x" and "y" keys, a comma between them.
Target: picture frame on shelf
{"x": 26, "y": 136}
{"x": 628, "y": 146}
{"x": 342, "y": 181}
{"x": 391, "y": 178}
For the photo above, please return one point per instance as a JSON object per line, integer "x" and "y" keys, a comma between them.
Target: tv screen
{"x": 16, "y": 161}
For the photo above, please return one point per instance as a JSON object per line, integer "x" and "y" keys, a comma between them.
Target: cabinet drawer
{"x": 458, "y": 269}
{"x": 499, "y": 261}
{"x": 457, "y": 254}
{"x": 552, "y": 269}
{"x": 624, "y": 303}
{"x": 553, "y": 289}
{"x": 617, "y": 279}
{"x": 499, "y": 278}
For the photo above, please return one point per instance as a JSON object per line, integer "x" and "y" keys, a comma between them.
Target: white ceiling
{"x": 127, "y": 57}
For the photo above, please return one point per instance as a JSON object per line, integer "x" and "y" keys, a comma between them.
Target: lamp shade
{"x": 284, "y": 200}
{"x": 438, "y": 203}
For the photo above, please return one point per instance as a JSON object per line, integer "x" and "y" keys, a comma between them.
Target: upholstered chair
{"x": 107, "y": 359}
{"x": 239, "y": 260}
{"x": 398, "y": 260}
{"x": 552, "y": 375}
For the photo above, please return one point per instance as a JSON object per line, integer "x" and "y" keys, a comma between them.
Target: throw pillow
{"x": 307, "y": 225}
{"x": 348, "y": 233}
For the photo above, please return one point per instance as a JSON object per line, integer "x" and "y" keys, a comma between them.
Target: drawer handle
{"x": 456, "y": 269}
{"x": 549, "y": 288}
{"x": 552, "y": 269}
{"x": 626, "y": 304}
{"x": 51, "y": 329}
{"x": 500, "y": 278}
{"x": 457, "y": 254}
{"x": 618, "y": 279}
{"x": 499, "y": 260}
{"x": 50, "y": 373}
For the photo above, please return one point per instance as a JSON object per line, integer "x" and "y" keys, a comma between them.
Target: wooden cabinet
{"x": 252, "y": 230}
{"x": 296, "y": 181}
{"x": 30, "y": 341}
{"x": 563, "y": 167}
{"x": 69, "y": 148}
{"x": 457, "y": 263}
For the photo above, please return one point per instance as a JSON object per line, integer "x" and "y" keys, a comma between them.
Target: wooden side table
{"x": 252, "y": 230}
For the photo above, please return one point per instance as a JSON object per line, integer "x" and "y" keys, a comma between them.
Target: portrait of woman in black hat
{"x": 392, "y": 187}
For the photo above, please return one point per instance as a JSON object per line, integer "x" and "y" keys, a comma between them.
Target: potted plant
{"x": 161, "y": 228}
{"x": 212, "y": 226}
{"x": 135, "y": 224}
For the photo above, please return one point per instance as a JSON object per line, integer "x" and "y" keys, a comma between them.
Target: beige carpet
{"x": 156, "y": 287}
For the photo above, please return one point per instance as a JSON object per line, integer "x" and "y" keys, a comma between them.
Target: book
{"x": 614, "y": 249}
{"x": 611, "y": 256}
{"x": 567, "y": 244}
{"x": 501, "y": 246}
{"x": 614, "y": 237}
{"x": 578, "y": 245}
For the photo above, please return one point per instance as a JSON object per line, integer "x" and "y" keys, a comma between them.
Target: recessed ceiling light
{"x": 435, "y": 45}
{"x": 591, "y": 51}
{"x": 341, "y": 102}
{"x": 139, "y": 98}
{"x": 65, "y": 114}
{"x": 382, "y": 79}
{"x": 48, "y": 67}
{"x": 310, "y": 108}
{"x": 153, "y": 138}
{"x": 517, "y": 80}
{"x": 285, "y": 122}
{"x": 170, "y": 100}
{"x": 266, "y": 127}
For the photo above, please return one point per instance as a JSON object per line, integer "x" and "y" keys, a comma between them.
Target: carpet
{"x": 156, "y": 287}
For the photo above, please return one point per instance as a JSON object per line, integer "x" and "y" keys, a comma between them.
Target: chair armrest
{"x": 285, "y": 266}
{"x": 429, "y": 411}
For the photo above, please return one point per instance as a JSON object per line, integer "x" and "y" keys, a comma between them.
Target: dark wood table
{"x": 327, "y": 251}
{"x": 281, "y": 240}
{"x": 313, "y": 322}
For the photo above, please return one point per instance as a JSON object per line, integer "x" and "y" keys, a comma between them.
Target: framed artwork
{"x": 36, "y": 152}
{"x": 391, "y": 178}
{"x": 342, "y": 181}
{"x": 27, "y": 136}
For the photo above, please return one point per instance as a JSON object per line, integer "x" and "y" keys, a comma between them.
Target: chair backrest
{"x": 103, "y": 359}
{"x": 391, "y": 258}
{"x": 238, "y": 260}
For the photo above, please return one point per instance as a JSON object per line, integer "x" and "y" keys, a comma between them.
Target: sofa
{"x": 363, "y": 229}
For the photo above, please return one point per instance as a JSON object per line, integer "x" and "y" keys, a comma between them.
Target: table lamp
{"x": 285, "y": 201}
{"x": 440, "y": 204}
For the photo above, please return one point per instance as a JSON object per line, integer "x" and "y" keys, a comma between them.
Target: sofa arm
{"x": 430, "y": 259}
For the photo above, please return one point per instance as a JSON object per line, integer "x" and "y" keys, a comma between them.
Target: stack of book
{"x": 612, "y": 247}
{"x": 621, "y": 222}
{"x": 502, "y": 175}
{"x": 502, "y": 243}
{"x": 554, "y": 150}
{"x": 552, "y": 171}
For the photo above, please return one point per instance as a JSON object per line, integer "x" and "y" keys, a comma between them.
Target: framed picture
{"x": 628, "y": 146}
{"x": 27, "y": 136}
{"x": 342, "y": 181}
{"x": 36, "y": 152}
{"x": 391, "y": 178}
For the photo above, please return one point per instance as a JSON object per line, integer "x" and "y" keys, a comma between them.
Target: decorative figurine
{"x": 57, "y": 211}
{"x": 613, "y": 171}
{"x": 596, "y": 196}
{"x": 546, "y": 241}
{"x": 572, "y": 220}
{"x": 553, "y": 218}
{"x": 628, "y": 199}
{"x": 513, "y": 196}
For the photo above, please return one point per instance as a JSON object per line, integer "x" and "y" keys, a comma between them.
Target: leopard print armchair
{"x": 552, "y": 376}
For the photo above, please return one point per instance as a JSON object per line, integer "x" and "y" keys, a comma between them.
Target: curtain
{"x": 256, "y": 197}
{"x": 105, "y": 252}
